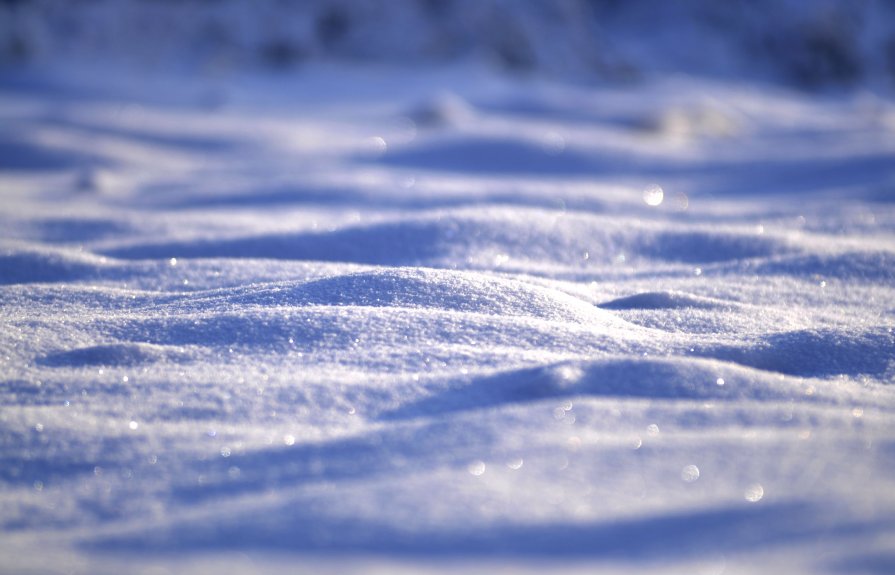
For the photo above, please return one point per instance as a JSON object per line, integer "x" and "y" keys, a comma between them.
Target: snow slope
{"x": 362, "y": 319}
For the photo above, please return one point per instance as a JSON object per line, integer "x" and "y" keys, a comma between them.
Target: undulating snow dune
{"x": 380, "y": 320}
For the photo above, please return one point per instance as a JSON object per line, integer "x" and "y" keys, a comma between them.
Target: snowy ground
{"x": 383, "y": 320}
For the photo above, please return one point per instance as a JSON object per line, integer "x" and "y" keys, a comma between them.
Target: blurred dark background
{"x": 811, "y": 44}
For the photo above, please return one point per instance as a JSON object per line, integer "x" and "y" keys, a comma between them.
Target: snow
{"x": 397, "y": 318}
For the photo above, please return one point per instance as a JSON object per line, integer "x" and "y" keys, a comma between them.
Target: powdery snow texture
{"x": 335, "y": 334}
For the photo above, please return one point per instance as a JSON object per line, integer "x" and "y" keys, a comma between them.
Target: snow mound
{"x": 461, "y": 292}
{"x": 127, "y": 355}
{"x": 663, "y": 300}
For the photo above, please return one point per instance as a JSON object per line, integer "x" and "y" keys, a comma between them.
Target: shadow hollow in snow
{"x": 374, "y": 454}
{"x": 878, "y": 266}
{"x": 500, "y": 156}
{"x": 399, "y": 243}
{"x": 663, "y": 536}
{"x": 705, "y": 247}
{"x": 441, "y": 239}
{"x": 44, "y": 266}
{"x": 19, "y": 155}
{"x": 64, "y": 230}
{"x": 817, "y": 353}
{"x": 36, "y": 460}
{"x": 497, "y": 156}
{"x": 664, "y": 300}
{"x": 675, "y": 379}
{"x": 123, "y": 354}
{"x": 871, "y": 564}
{"x": 184, "y": 139}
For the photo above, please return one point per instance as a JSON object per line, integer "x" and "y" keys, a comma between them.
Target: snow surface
{"x": 363, "y": 319}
